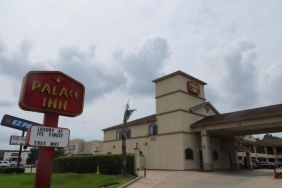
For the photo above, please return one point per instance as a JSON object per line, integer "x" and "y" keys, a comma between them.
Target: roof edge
{"x": 203, "y": 104}
{"x": 199, "y": 123}
{"x": 145, "y": 119}
{"x": 180, "y": 73}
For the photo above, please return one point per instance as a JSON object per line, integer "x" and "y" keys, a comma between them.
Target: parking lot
{"x": 260, "y": 178}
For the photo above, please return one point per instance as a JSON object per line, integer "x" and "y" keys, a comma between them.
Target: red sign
{"x": 52, "y": 91}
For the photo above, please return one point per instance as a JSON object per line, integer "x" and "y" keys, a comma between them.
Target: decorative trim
{"x": 172, "y": 111}
{"x": 180, "y": 110}
{"x": 181, "y": 91}
{"x": 238, "y": 120}
{"x": 162, "y": 134}
{"x": 179, "y": 73}
{"x": 192, "y": 112}
{"x": 177, "y": 132}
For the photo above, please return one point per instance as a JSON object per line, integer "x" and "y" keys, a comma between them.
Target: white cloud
{"x": 271, "y": 84}
{"x": 240, "y": 81}
{"x": 143, "y": 65}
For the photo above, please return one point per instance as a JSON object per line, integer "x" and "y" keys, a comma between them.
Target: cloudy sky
{"x": 116, "y": 48}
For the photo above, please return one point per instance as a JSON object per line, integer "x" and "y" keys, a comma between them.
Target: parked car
{"x": 4, "y": 163}
{"x": 241, "y": 164}
{"x": 265, "y": 164}
{"x": 14, "y": 164}
{"x": 279, "y": 164}
{"x": 256, "y": 164}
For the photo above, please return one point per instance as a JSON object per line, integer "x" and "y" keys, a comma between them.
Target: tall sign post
{"x": 52, "y": 93}
{"x": 20, "y": 153}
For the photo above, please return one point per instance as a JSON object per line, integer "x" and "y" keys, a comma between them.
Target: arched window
{"x": 215, "y": 155}
{"x": 189, "y": 153}
{"x": 119, "y": 134}
{"x": 153, "y": 129}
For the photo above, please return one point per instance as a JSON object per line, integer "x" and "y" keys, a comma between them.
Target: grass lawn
{"x": 66, "y": 180}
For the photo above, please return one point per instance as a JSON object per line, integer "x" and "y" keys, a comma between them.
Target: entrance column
{"x": 233, "y": 154}
{"x": 255, "y": 151}
{"x": 275, "y": 155}
{"x": 266, "y": 153}
{"x": 206, "y": 148}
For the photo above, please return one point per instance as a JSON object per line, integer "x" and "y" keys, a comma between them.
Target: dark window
{"x": 153, "y": 129}
{"x": 215, "y": 155}
{"x": 128, "y": 133}
{"x": 119, "y": 134}
{"x": 270, "y": 150}
{"x": 279, "y": 150}
{"x": 189, "y": 153}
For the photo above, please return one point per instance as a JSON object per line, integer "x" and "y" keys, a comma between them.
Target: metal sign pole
{"x": 20, "y": 152}
{"x": 45, "y": 156}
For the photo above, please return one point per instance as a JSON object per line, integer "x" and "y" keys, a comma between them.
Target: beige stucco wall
{"x": 110, "y": 134}
{"x": 160, "y": 152}
{"x": 93, "y": 147}
{"x": 193, "y": 142}
{"x": 176, "y": 121}
{"x": 174, "y": 83}
{"x": 78, "y": 146}
{"x": 176, "y": 101}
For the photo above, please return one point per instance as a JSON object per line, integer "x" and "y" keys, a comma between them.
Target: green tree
{"x": 59, "y": 152}
{"x": 269, "y": 136}
{"x": 32, "y": 156}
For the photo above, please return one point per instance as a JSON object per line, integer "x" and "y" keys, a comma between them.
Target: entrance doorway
{"x": 230, "y": 160}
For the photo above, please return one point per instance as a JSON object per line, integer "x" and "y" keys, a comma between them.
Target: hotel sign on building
{"x": 193, "y": 87}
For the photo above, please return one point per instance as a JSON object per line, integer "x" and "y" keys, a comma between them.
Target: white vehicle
{"x": 4, "y": 163}
{"x": 14, "y": 164}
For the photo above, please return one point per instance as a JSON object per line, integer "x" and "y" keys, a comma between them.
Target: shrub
{"x": 108, "y": 164}
{"x": 8, "y": 170}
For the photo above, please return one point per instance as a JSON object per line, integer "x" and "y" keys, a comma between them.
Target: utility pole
{"x": 128, "y": 112}
{"x": 20, "y": 152}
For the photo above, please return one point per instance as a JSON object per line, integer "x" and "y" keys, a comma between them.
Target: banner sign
{"x": 40, "y": 136}
{"x": 17, "y": 123}
{"x": 17, "y": 140}
{"x": 52, "y": 91}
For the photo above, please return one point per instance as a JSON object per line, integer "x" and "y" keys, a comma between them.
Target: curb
{"x": 130, "y": 182}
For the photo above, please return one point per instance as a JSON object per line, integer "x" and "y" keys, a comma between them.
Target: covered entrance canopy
{"x": 266, "y": 119}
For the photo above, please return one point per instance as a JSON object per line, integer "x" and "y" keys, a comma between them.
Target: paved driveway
{"x": 225, "y": 179}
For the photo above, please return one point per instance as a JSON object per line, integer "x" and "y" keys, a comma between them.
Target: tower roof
{"x": 180, "y": 73}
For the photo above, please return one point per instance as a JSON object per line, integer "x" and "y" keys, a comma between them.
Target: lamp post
{"x": 128, "y": 112}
